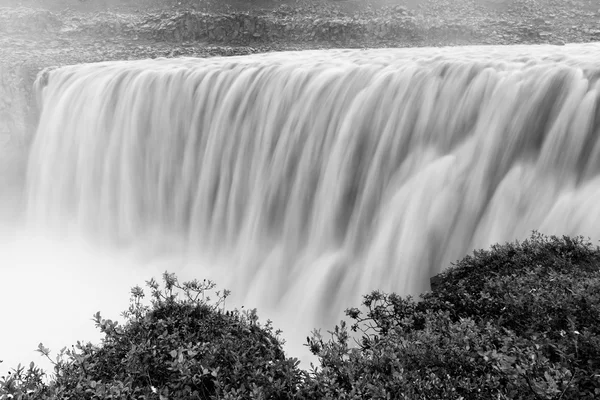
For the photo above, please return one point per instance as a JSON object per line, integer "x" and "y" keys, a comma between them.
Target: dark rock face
{"x": 435, "y": 282}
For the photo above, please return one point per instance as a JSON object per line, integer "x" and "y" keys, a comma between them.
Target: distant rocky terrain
{"x": 35, "y": 34}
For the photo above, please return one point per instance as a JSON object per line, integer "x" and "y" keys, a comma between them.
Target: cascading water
{"x": 303, "y": 180}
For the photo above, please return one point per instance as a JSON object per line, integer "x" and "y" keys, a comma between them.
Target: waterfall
{"x": 303, "y": 180}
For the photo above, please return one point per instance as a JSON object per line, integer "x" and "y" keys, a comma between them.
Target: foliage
{"x": 179, "y": 348}
{"x": 516, "y": 322}
{"x": 24, "y": 383}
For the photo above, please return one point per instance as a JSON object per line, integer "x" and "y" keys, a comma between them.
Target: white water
{"x": 300, "y": 181}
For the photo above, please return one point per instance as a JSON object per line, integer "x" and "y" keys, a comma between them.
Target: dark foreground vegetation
{"x": 519, "y": 321}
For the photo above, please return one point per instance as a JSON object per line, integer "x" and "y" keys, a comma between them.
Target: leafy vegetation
{"x": 518, "y": 321}
{"x": 182, "y": 347}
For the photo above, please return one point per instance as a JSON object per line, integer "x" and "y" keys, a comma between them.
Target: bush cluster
{"x": 518, "y": 321}
{"x": 180, "y": 347}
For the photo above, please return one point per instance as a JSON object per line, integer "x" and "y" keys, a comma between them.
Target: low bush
{"x": 179, "y": 348}
{"x": 516, "y": 322}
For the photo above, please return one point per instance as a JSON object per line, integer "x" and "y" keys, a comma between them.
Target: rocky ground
{"x": 38, "y": 33}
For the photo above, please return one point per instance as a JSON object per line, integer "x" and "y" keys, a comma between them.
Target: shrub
{"x": 516, "y": 322}
{"x": 24, "y": 383}
{"x": 179, "y": 348}
{"x": 546, "y": 289}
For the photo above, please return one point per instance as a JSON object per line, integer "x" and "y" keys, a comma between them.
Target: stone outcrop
{"x": 26, "y": 20}
{"x": 245, "y": 28}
